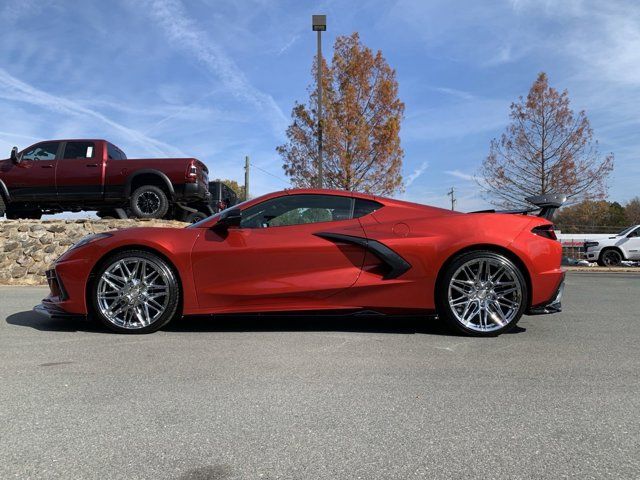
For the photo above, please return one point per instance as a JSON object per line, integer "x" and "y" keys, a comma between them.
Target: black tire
{"x": 34, "y": 214}
{"x": 24, "y": 214}
{"x": 610, "y": 257}
{"x": 107, "y": 214}
{"x": 477, "y": 295}
{"x": 149, "y": 201}
{"x": 172, "y": 300}
{"x": 195, "y": 217}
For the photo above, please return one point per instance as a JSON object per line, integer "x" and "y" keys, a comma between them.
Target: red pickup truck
{"x": 74, "y": 175}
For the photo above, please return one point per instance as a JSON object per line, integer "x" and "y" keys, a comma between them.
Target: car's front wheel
{"x": 482, "y": 293}
{"x": 135, "y": 292}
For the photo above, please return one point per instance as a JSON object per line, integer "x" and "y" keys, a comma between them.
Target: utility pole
{"x": 452, "y": 194}
{"x": 246, "y": 177}
{"x": 319, "y": 24}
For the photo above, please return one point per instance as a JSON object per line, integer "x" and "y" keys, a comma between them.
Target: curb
{"x": 602, "y": 269}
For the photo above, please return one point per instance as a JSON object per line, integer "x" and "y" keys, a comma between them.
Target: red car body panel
{"x": 291, "y": 268}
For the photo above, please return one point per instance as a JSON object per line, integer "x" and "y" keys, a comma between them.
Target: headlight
{"x": 590, "y": 244}
{"x": 90, "y": 238}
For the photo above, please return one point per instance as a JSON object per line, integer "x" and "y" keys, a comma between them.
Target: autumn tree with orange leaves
{"x": 361, "y": 124}
{"x": 545, "y": 149}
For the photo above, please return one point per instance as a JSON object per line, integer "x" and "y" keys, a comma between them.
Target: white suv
{"x": 613, "y": 250}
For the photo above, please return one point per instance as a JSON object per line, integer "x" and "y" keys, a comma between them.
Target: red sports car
{"x": 318, "y": 250}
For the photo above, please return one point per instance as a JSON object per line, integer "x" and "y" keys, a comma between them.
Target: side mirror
{"x": 229, "y": 218}
{"x": 15, "y": 158}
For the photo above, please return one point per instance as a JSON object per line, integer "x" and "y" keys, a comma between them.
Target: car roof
{"x": 343, "y": 193}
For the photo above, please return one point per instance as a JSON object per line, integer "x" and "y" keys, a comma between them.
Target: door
{"x": 79, "y": 172}
{"x": 33, "y": 179}
{"x": 274, "y": 260}
{"x": 632, "y": 245}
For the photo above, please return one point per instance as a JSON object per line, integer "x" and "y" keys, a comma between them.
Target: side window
{"x": 42, "y": 151}
{"x": 296, "y": 210}
{"x": 365, "y": 207}
{"x": 635, "y": 233}
{"x": 114, "y": 153}
{"x": 79, "y": 150}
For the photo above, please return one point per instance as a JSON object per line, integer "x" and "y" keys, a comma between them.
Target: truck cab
{"x": 614, "y": 250}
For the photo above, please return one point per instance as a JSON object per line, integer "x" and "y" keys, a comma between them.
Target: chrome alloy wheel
{"x": 148, "y": 202}
{"x": 133, "y": 293}
{"x": 485, "y": 294}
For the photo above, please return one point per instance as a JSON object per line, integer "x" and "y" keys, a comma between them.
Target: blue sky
{"x": 217, "y": 79}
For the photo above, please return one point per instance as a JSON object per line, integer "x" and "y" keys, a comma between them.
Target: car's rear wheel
{"x": 482, "y": 293}
{"x": 149, "y": 201}
{"x": 610, "y": 258}
{"x": 135, "y": 292}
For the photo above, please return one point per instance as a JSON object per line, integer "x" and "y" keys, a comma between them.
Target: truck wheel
{"x": 34, "y": 214}
{"x": 107, "y": 214}
{"x": 610, "y": 257}
{"x": 149, "y": 201}
{"x": 195, "y": 217}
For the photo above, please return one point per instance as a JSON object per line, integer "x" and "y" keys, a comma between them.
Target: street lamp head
{"x": 319, "y": 23}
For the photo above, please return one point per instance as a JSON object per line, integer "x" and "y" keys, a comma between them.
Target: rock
{"x": 10, "y": 246}
{"x": 56, "y": 228}
{"x": 29, "y": 247}
{"x": 18, "y": 272}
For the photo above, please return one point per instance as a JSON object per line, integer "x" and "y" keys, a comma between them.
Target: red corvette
{"x": 317, "y": 250}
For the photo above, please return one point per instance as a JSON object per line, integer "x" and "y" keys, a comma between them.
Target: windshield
{"x": 217, "y": 215}
{"x": 625, "y": 231}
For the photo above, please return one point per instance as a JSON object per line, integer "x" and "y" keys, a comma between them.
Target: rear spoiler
{"x": 546, "y": 205}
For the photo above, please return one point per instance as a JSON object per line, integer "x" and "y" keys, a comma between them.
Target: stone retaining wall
{"x": 29, "y": 247}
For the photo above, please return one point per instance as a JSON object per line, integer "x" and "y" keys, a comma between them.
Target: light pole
{"x": 319, "y": 24}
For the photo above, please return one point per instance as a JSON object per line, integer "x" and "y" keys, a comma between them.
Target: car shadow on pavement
{"x": 260, "y": 323}
{"x": 397, "y": 324}
{"x": 36, "y": 321}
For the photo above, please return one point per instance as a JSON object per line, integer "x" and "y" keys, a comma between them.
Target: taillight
{"x": 546, "y": 231}
{"x": 192, "y": 171}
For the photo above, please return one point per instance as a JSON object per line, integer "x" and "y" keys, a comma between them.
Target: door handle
{"x": 92, "y": 164}
{"x": 46, "y": 166}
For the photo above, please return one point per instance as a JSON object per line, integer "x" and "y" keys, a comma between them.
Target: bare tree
{"x": 545, "y": 149}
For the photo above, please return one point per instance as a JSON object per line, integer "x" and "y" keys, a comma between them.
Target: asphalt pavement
{"x": 325, "y": 398}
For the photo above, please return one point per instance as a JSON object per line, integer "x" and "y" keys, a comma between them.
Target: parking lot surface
{"x": 325, "y": 398}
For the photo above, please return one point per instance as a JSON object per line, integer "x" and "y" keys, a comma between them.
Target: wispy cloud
{"x": 14, "y": 89}
{"x": 14, "y": 10}
{"x": 183, "y": 31}
{"x": 460, "y": 175}
{"x": 416, "y": 173}
{"x": 454, "y": 93}
{"x": 289, "y": 44}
